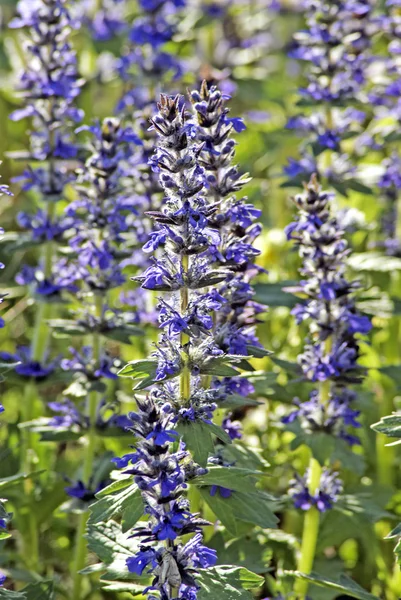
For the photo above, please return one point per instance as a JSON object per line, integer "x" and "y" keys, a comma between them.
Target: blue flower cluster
{"x": 235, "y": 321}
{"x": 103, "y": 216}
{"x": 161, "y": 474}
{"x": 337, "y": 47}
{"x": 145, "y": 63}
{"x": 386, "y": 99}
{"x": 105, "y": 21}
{"x": 330, "y": 356}
{"x": 203, "y": 259}
{"x": 49, "y": 86}
{"x": 331, "y": 353}
{"x": 330, "y": 487}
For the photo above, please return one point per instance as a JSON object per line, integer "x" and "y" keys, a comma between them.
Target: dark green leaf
{"x": 343, "y": 584}
{"x": 126, "y": 502}
{"x": 363, "y": 506}
{"x": 390, "y": 426}
{"x": 257, "y": 352}
{"x": 272, "y": 294}
{"x": 42, "y": 590}
{"x": 227, "y": 583}
{"x": 233, "y": 478}
{"x": 198, "y": 437}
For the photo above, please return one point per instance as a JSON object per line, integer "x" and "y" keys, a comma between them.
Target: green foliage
{"x": 343, "y": 584}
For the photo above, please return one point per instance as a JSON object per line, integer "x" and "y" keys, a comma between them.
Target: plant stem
{"x": 185, "y": 377}
{"x": 312, "y": 517}
{"x": 92, "y": 405}
{"x": 310, "y": 532}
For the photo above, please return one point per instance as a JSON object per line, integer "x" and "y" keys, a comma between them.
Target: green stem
{"x": 310, "y": 532}
{"x": 92, "y": 406}
{"x": 185, "y": 377}
{"x": 39, "y": 344}
{"x": 312, "y": 518}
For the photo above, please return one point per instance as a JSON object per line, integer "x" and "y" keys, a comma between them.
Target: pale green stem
{"x": 92, "y": 406}
{"x": 312, "y": 517}
{"x": 185, "y": 377}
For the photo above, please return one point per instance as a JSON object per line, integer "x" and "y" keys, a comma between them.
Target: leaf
{"x": 232, "y": 478}
{"x": 6, "y": 482}
{"x": 9, "y": 595}
{"x": 247, "y": 551}
{"x": 116, "y": 486}
{"x": 389, "y": 425}
{"x": 253, "y": 508}
{"x": 290, "y": 367}
{"x": 394, "y": 372}
{"x": 218, "y": 366}
{"x": 363, "y": 506}
{"x": 221, "y": 509}
{"x": 132, "y": 588}
{"x": 227, "y": 583}
{"x": 256, "y": 352}
{"x": 220, "y": 433}
{"x": 373, "y": 261}
{"x": 344, "y": 584}
{"x": 198, "y": 438}
{"x": 123, "y": 333}
{"x": 108, "y": 542}
{"x": 126, "y": 502}
{"x": 53, "y": 434}
{"x": 139, "y": 369}
{"x": 273, "y": 295}
{"x": 42, "y": 590}
{"x": 236, "y": 401}
{"x": 320, "y": 443}
{"x": 394, "y": 533}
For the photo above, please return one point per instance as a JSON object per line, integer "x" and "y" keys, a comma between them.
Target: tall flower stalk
{"x": 100, "y": 239}
{"x": 190, "y": 264}
{"x": 330, "y": 356}
{"x": 49, "y": 86}
{"x": 336, "y": 45}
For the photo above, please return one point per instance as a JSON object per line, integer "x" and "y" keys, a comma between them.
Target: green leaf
{"x": 320, "y": 443}
{"x": 9, "y": 595}
{"x": 273, "y": 295}
{"x": 227, "y": 583}
{"x": 116, "y": 486}
{"x": 132, "y": 588}
{"x": 198, "y": 437}
{"x": 362, "y": 505}
{"x": 236, "y": 401}
{"x": 220, "y": 433}
{"x": 255, "y": 508}
{"x": 42, "y": 590}
{"x": 373, "y": 261}
{"x": 218, "y": 366}
{"x": 139, "y": 369}
{"x": 343, "y": 584}
{"x": 390, "y": 426}
{"x": 221, "y": 509}
{"x": 108, "y": 542}
{"x": 290, "y": 367}
{"x": 394, "y": 372}
{"x": 232, "y": 478}
{"x": 394, "y": 533}
{"x": 126, "y": 502}
{"x": 6, "y": 482}
{"x": 249, "y": 507}
{"x": 51, "y": 434}
{"x": 256, "y": 352}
